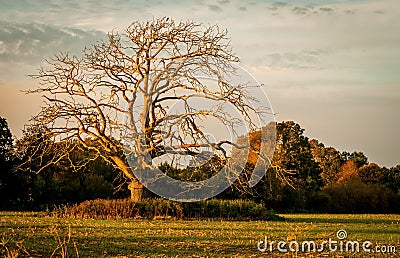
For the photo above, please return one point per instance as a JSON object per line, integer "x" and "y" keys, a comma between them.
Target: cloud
{"x": 326, "y": 9}
{"x": 2, "y": 47}
{"x": 214, "y": 8}
{"x": 224, "y": 1}
{"x": 33, "y": 42}
{"x": 279, "y": 4}
{"x": 311, "y": 51}
{"x": 379, "y": 12}
{"x": 301, "y": 60}
{"x": 301, "y": 10}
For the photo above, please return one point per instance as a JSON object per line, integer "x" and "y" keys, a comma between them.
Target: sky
{"x": 331, "y": 66}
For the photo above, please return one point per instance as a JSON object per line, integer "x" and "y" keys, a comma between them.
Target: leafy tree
{"x": 361, "y": 190}
{"x": 293, "y": 173}
{"x": 357, "y": 197}
{"x": 392, "y": 179}
{"x": 8, "y": 180}
{"x": 73, "y": 177}
{"x": 139, "y": 75}
{"x": 293, "y": 153}
{"x": 357, "y": 157}
{"x": 5, "y": 139}
{"x": 258, "y": 159}
{"x": 329, "y": 160}
{"x": 348, "y": 172}
{"x": 372, "y": 173}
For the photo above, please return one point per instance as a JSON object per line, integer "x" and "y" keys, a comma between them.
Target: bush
{"x": 228, "y": 210}
{"x": 120, "y": 209}
{"x": 320, "y": 202}
{"x": 161, "y": 208}
{"x": 358, "y": 197}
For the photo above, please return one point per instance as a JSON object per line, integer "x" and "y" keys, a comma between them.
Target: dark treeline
{"x": 32, "y": 179}
{"x": 305, "y": 176}
{"x": 323, "y": 179}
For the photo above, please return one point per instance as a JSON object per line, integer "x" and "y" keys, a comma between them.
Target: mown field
{"x": 35, "y": 235}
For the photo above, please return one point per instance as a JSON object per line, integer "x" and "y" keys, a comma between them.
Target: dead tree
{"x": 129, "y": 82}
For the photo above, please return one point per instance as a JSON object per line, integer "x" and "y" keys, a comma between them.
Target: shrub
{"x": 120, "y": 209}
{"x": 320, "y": 202}
{"x": 161, "y": 208}
{"x": 228, "y": 210}
{"x": 358, "y": 197}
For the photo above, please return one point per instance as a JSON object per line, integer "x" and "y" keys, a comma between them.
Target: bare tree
{"x": 130, "y": 82}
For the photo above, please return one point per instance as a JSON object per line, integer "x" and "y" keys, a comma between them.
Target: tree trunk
{"x": 136, "y": 189}
{"x": 134, "y": 186}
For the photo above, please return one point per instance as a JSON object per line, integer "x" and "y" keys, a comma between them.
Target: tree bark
{"x": 136, "y": 189}
{"x": 134, "y": 185}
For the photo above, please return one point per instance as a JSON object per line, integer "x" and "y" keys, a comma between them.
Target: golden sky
{"x": 331, "y": 66}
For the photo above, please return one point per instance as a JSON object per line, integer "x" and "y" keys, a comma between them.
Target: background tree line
{"x": 317, "y": 178}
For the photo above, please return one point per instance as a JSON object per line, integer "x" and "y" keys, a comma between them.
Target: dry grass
{"x": 34, "y": 235}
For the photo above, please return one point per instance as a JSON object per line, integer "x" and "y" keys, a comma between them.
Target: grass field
{"x": 35, "y": 235}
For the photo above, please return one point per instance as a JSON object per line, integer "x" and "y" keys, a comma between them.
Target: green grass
{"x": 36, "y": 234}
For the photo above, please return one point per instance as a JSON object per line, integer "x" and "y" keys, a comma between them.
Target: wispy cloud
{"x": 308, "y": 52}
{"x": 305, "y": 59}
{"x": 31, "y": 43}
{"x": 214, "y": 8}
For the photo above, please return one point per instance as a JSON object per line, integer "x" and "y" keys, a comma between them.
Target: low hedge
{"x": 166, "y": 209}
{"x": 227, "y": 210}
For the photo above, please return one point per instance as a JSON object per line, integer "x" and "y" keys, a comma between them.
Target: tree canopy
{"x": 149, "y": 87}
